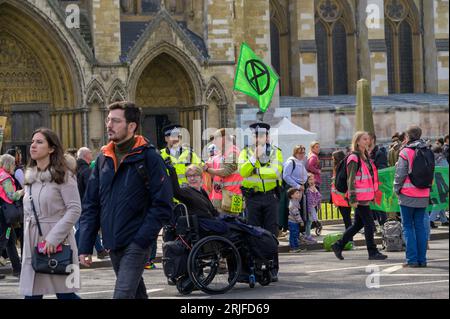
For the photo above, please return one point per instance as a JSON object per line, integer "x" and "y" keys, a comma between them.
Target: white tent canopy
{"x": 290, "y": 135}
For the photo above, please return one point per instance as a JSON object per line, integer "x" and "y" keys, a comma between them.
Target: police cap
{"x": 172, "y": 129}
{"x": 260, "y": 127}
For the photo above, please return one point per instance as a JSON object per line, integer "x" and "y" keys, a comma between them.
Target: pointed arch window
{"x": 331, "y": 42}
{"x": 400, "y": 26}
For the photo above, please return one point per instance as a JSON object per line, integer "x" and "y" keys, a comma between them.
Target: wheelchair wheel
{"x": 214, "y": 265}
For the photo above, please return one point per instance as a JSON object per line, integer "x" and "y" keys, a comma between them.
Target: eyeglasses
{"x": 113, "y": 120}
{"x": 192, "y": 176}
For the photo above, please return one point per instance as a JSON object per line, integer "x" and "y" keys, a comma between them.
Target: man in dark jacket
{"x": 378, "y": 155}
{"x": 129, "y": 196}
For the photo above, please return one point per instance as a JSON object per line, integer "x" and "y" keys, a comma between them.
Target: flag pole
{"x": 260, "y": 116}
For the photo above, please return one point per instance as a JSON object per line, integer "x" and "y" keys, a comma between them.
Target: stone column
{"x": 220, "y": 30}
{"x": 106, "y": 30}
{"x": 441, "y": 15}
{"x": 304, "y": 50}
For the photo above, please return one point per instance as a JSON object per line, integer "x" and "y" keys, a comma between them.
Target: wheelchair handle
{"x": 186, "y": 213}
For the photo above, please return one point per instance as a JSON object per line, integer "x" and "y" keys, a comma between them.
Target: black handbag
{"x": 12, "y": 213}
{"x": 56, "y": 264}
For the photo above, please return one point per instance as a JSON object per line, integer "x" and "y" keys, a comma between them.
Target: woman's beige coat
{"x": 58, "y": 208}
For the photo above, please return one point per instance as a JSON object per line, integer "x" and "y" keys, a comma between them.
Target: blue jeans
{"x": 438, "y": 213}
{"x": 415, "y": 234}
{"x": 294, "y": 232}
{"x": 128, "y": 264}
{"x": 426, "y": 221}
{"x": 67, "y": 296}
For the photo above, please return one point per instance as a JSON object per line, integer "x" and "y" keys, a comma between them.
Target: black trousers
{"x": 363, "y": 218}
{"x": 262, "y": 211}
{"x": 9, "y": 245}
{"x": 346, "y": 213}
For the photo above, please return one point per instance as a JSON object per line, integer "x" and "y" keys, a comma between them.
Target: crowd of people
{"x": 119, "y": 202}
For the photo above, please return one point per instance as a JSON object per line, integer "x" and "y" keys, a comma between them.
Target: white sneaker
{"x": 3, "y": 261}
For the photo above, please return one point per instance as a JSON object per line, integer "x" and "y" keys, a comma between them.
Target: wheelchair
{"x": 208, "y": 260}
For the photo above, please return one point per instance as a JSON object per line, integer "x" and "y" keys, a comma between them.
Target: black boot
{"x": 337, "y": 251}
{"x": 378, "y": 256}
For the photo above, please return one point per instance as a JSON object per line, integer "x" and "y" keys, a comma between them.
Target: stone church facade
{"x": 176, "y": 59}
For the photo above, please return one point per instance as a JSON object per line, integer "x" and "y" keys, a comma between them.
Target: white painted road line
{"x": 413, "y": 275}
{"x": 414, "y": 283}
{"x": 391, "y": 269}
{"x": 364, "y": 267}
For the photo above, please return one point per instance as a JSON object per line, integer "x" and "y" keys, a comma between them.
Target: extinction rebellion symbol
{"x": 258, "y": 76}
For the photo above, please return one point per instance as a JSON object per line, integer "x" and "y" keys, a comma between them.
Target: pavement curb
{"x": 281, "y": 249}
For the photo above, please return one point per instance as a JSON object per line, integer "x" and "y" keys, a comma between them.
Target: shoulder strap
{"x": 140, "y": 167}
{"x": 142, "y": 170}
{"x": 34, "y": 212}
{"x": 359, "y": 161}
{"x": 293, "y": 165}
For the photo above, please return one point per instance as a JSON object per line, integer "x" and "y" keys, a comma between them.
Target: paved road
{"x": 308, "y": 275}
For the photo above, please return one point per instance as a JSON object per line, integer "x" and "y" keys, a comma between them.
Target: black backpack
{"x": 341, "y": 177}
{"x": 422, "y": 173}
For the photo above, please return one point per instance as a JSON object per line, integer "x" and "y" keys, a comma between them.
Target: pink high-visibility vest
{"x": 408, "y": 187}
{"x": 4, "y": 176}
{"x": 365, "y": 184}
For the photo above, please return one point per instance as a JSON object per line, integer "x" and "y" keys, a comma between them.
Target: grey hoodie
{"x": 401, "y": 172}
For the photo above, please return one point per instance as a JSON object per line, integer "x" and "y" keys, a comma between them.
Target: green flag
{"x": 255, "y": 78}
{"x": 386, "y": 200}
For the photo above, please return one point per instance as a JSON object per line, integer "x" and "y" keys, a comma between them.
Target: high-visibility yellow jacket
{"x": 186, "y": 158}
{"x": 261, "y": 177}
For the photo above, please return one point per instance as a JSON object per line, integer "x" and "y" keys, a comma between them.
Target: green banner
{"x": 255, "y": 78}
{"x": 386, "y": 200}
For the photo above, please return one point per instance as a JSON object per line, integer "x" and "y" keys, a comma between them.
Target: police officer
{"x": 180, "y": 157}
{"x": 261, "y": 167}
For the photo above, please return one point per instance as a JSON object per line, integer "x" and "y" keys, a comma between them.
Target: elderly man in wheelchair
{"x": 208, "y": 251}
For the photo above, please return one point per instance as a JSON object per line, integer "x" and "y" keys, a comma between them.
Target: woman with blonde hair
{"x": 362, "y": 185}
{"x": 51, "y": 194}
{"x": 294, "y": 176}
{"x": 193, "y": 196}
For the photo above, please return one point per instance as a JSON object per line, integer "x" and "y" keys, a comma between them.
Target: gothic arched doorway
{"x": 166, "y": 94}
{"x": 38, "y": 86}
